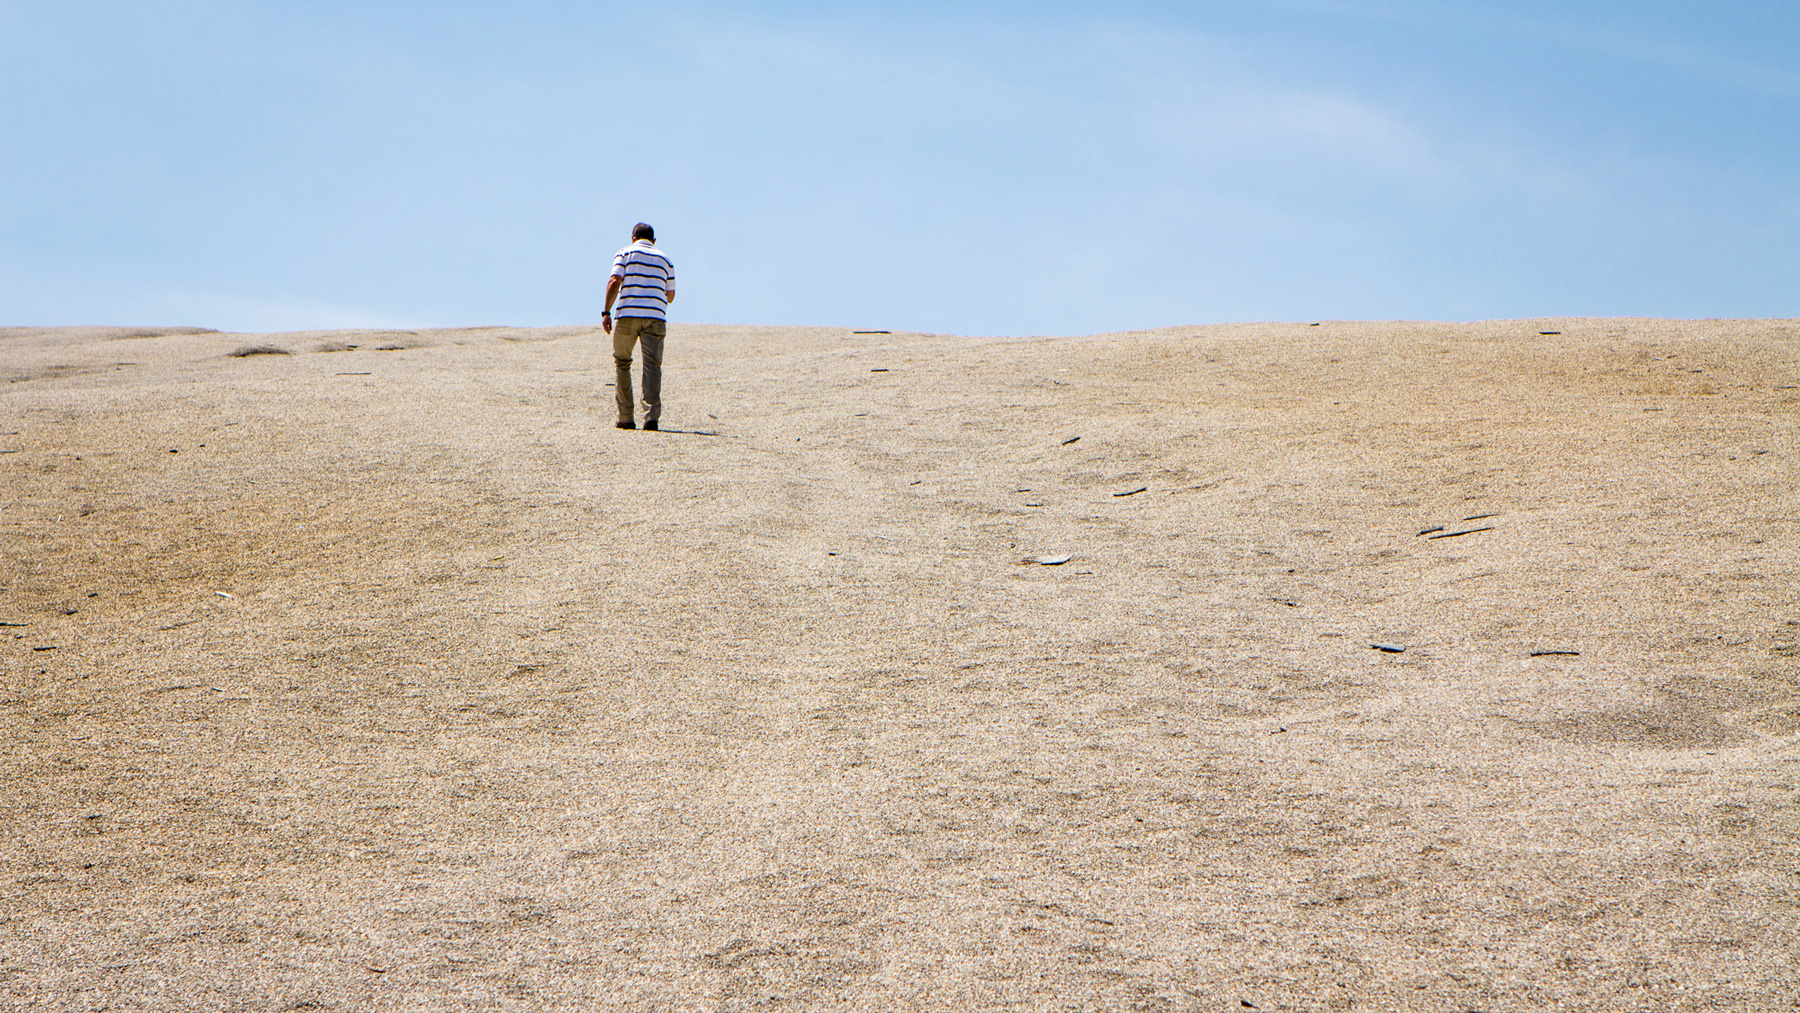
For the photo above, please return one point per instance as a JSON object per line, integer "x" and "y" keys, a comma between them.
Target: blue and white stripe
{"x": 645, "y": 276}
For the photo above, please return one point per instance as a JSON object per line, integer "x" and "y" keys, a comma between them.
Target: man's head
{"x": 642, "y": 231}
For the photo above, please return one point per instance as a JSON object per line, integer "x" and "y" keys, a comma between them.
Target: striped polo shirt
{"x": 645, "y": 274}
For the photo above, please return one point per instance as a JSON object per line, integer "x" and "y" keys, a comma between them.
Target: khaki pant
{"x": 629, "y": 331}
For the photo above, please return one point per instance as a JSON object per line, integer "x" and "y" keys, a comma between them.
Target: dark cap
{"x": 642, "y": 231}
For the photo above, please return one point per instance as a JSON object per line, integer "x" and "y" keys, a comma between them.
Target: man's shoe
{"x": 627, "y": 425}
{"x": 650, "y": 424}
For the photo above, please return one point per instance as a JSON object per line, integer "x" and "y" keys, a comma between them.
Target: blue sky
{"x": 976, "y": 168}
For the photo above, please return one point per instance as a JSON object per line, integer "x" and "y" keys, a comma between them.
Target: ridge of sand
{"x": 394, "y": 676}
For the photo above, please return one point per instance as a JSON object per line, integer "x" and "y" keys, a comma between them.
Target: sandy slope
{"x": 399, "y": 679}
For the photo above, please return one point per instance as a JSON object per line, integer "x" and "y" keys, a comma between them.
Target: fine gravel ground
{"x": 378, "y": 671}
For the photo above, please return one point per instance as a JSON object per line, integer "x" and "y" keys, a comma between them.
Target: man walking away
{"x": 643, "y": 283}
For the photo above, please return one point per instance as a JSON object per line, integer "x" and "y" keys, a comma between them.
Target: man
{"x": 643, "y": 283}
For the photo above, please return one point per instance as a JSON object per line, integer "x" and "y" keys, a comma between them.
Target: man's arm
{"x": 612, "y": 292}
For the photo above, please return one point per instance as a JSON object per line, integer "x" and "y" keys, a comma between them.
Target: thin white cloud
{"x": 230, "y": 312}
{"x": 1288, "y": 130}
{"x": 1050, "y": 97}
{"x": 42, "y": 295}
{"x": 1705, "y": 64}
{"x": 1638, "y": 33}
